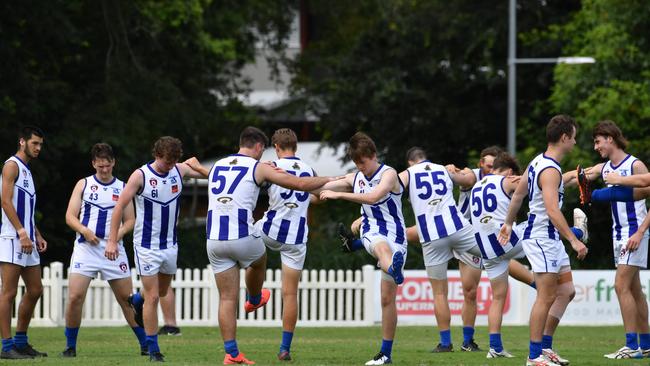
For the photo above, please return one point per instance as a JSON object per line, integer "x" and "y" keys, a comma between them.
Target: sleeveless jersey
{"x": 432, "y": 199}
{"x": 384, "y": 217}
{"x": 156, "y": 208}
{"x": 626, "y": 216}
{"x": 286, "y": 218}
{"x": 464, "y": 196}
{"x": 98, "y": 201}
{"x": 24, "y": 201}
{"x": 489, "y": 209}
{"x": 232, "y": 196}
{"x": 539, "y": 225}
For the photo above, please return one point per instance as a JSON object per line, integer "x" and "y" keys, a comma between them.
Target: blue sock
{"x": 445, "y": 337}
{"x": 71, "y": 337}
{"x": 644, "y": 340}
{"x": 547, "y": 342}
{"x": 152, "y": 344}
{"x": 286, "y": 341}
{"x": 137, "y": 299}
{"x": 631, "y": 340}
{"x": 535, "y": 349}
{"x": 468, "y": 335}
{"x": 20, "y": 339}
{"x": 7, "y": 344}
{"x": 142, "y": 336}
{"x": 577, "y": 232}
{"x": 533, "y": 285}
{"x": 255, "y": 299}
{"x": 495, "y": 342}
{"x": 386, "y": 347}
{"x": 611, "y": 194}
{"x": 231, "y": 348}
{"x": 356, "y": 245}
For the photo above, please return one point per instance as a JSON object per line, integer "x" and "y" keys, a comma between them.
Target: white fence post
{"x": 56, "y": 294}
{"x": 368, "y": 294}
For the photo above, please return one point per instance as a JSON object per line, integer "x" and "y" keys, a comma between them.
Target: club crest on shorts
{"x": 123, "y": 267}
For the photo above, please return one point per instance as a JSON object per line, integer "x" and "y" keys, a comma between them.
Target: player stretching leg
{"x": 541, "y": 238}
{"x": 233, "y": 242}
{"x": 89, "y": 213}
{"x": 156, "y": 187}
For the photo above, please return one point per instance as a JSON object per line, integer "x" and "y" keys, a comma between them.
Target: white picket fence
{"x": 326, "y": 298}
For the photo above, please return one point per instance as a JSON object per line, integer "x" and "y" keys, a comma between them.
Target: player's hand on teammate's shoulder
{"x": 612, "y": 178}
{"x": 514, "y": 178}
{"x": 452, "y": 169}
{"x": 580, "y": 248}
{"x": 504, "y": 234}
{"x": 192, "y": 162}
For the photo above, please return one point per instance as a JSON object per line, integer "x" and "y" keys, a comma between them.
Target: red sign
{"x": 415, "y": 297}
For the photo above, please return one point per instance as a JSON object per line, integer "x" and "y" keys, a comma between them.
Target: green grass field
{"x": 321, "y": 346}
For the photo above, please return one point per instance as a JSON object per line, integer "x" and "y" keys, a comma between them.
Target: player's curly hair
{"x": 168, "y": 147}
{"x": 102, "y": 150}
{"x": 286, "y": 139}
{"x": 608, "y": 128}
{"x": 361, "y": 146}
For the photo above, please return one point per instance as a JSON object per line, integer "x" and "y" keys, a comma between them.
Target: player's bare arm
{"x": 387, "y": 184}
{"x": 265, "y": 173}
{"x": 570, "y": 178}
{"x": 515, "y": 204}
{"x": 41, "y": 243}
{"x": 192, "y": 168}
{"x": 639, "y": 179}
{"x": 340, "y": 185}
{"x": 72, "y": 214}
{"x": 132, "y": 187}
{"x": 9, "y": 175}
{"x": 128, "y": 221}
{"x": 549, "y": 181}
{"x": 465, "y": 179}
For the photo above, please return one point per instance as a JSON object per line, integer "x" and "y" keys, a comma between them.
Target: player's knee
{"x": 8, "y": 293}
{"x": 469, "y": 293}
{"x": 387, "y": 300}
{"x": 75, "y": 298}
{"x": 621, "y": 288}
{"x": 35, "y": 291}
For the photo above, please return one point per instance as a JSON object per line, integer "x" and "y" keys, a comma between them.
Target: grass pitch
{"x": 322, "y": 346}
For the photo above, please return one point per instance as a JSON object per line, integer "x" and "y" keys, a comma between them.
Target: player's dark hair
{"x": 608, "y": 128}
{"x": 560, "y": 125}
{"x": 168, "y": 147}
{"x": 416, "y": 153}
{"x": 286, "y": 139}
{"x": 361, "y": 146}
{"x": 102, "y": 150}
{"x": 26, "y": 132}
{"x": 505, "y": 161}
{"x": 490, "y": 150}
{"x": 251, "y": 136}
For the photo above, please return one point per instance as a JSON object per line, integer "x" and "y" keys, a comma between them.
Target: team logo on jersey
{"x": 174, "y": 188}
{"x": 164, "y": 181}
{"x": 435, "y": 201}
{"x": 94, "y": 188}
{"x": 362, "y": 184}
{"x": 290, "y": 205}
{"x": 224, "y": 200}
{"x": 233, "y": 162}
{"x": 485, "y": 219}
{"x": 116, "y": 191}
{"x": 123, "y": 267}
{"x": 295, "y": 166}
{"x": 24, "y": 172}
{"x": 116, "y": 197}
{"x": 153, "y": 182}
{"x": 105, "y": 189}
{"x": 427, "y": 167}
{"x": 623, "y": 172}
{"x": 173, "y": 180}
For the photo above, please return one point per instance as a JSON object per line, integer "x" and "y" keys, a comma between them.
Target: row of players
{"x": 233, "y": 241}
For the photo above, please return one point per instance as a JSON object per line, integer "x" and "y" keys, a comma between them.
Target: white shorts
{"x": 545, "y": 255}
{"x": 495, "y": 267}
{"x": 474, "y": 261}
{"x": 225, "y": 254}
{"x": 442, "y": 250}
{"x": 150, "y": 262}
{"x": 10, "y": 252}
{"x": 88, "y": 260}
{"x": 292, "y": 255}
{"x": 637, "y": 258}
{"x": 369, "y": 241}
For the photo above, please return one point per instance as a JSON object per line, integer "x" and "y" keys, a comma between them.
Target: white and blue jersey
{"x": 626, "y": 216}
{"x": 232, "y": 196}
{"x": 384, "y": 217}
{"x": 539, "y": 225}
{"x": 464, "y": 199}
{"x": 97, "y": 202}
{"x": 156, "y": 208}
{"x": 286, "y": 219}
{"x": 24, "y": 201}
{"x": 432, "y": 199}
{"x": 489, "y": 209}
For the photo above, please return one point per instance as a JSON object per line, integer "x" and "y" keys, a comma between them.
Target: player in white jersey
{"x": 156, "y": 188}
{"x": 630, "y": 256}
{"x": 378, "y": 189}
{"x": 20, "y": 245}
{"x": 89, "y": 214}
{"x": 284, "y": 228}
{"x": 541, "y": 237}
{"x": 233, "y": 241}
